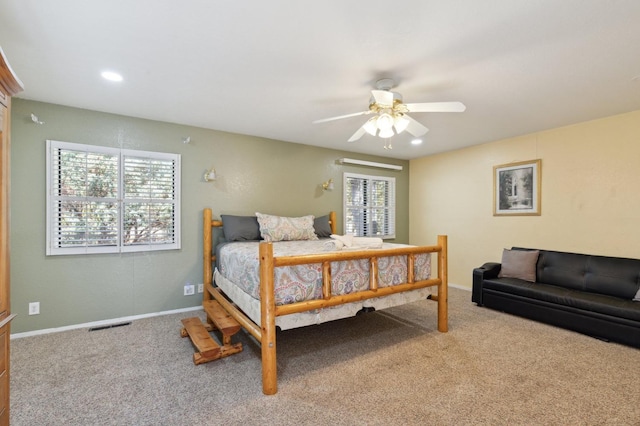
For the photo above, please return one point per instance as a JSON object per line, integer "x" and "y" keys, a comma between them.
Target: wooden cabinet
{"x": 9, "y": 86}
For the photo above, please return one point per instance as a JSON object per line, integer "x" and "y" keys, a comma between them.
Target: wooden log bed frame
{"x": 266, "y": 333}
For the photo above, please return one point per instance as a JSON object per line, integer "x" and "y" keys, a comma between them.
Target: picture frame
{"x": 516, "y": 189}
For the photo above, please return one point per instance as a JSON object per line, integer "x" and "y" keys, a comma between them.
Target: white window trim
{"x": 51, "y": 249}
{"x": 391, "y": 207}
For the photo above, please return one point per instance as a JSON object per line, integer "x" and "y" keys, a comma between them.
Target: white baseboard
{"x": 461, "y": 287}
{"x": 102, "y": 323}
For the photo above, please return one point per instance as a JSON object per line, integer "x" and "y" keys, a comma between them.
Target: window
{"x": 108, "y": 200}
{"x": 369, "y": 206}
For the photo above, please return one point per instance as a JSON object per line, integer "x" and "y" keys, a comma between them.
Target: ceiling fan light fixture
{"x": 386, "y": 133}
{"x": 385, "y": 122}
{"x": 370, "y": 126}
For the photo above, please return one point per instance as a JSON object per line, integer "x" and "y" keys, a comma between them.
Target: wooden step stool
{"x": 208, "y": 349}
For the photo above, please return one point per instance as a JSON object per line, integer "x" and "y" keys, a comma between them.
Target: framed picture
{"x": 516, "y": 189}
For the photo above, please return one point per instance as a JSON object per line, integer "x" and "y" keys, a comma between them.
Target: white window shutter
{"x": 89, "y": 188}
{"x": 150, "y": 200}
{"x": 369, "y": 205}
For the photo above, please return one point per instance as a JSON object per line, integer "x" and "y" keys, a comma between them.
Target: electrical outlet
{"x": 200, "y": 288}
{"x": 34, "y": 308}
{"x": 189, "y": 289}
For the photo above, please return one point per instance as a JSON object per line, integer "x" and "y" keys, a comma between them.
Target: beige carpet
{"x": 383, "y": 368}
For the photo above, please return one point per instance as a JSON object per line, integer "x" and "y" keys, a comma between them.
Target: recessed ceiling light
{"x": 416, "y": 141}
{"x": 111, "y": 76}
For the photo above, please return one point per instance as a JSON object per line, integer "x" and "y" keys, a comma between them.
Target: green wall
{"x": 254, "y": 174}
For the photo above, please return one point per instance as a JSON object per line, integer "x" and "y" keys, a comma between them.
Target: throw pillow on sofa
{"x": 519, "y": 264}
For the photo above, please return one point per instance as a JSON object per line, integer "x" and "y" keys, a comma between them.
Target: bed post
{"x": 207, "y": 251}
{"x": 332, "y": 222}
{"x": 268, "y": 320}
{"x": 443, "y": 286}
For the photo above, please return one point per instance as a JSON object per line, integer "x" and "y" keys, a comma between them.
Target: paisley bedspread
{"x": 239, "y": 263}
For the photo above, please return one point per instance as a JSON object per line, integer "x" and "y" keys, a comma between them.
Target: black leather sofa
{"x": 594, "y": 295}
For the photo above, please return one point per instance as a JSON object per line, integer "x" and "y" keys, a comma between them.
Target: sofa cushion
{"x": 591, "y": 302}
{"x": 562, "y": 269}
{"x": 519, "y": 264}
{"x": 613, "y": 276}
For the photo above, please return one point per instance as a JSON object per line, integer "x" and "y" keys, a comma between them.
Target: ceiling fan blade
{"x": 355, "y": 114}
{"x": 383, "y": 97}
{"x": 415, "y": 128}
{"x": 436, "y": 107}
{"x": 357, "y": 135}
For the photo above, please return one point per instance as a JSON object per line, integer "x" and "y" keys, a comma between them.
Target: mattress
{"x": 237, "y": 274}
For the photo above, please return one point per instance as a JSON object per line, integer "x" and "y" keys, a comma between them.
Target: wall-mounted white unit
{"x": 369, "y": 163}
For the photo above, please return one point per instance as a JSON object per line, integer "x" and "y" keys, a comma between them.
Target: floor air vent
{"x": 104, "y": 327}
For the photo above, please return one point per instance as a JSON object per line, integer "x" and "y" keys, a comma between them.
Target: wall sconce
{"x": 210, "y": 175}
{"x": 328, "y": 185}
{"x": 35, "y": 119}
{"x": 186, "y": 140}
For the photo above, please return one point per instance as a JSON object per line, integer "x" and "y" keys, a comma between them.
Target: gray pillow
{"x": 519, "y": 264}
{"x": 240, "y": 228}
{"x": 636, "y": 298}
{"x": 322, "y": 227}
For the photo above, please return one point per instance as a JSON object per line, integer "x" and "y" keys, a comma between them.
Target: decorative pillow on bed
{"x": 279, "y": 228}
{"x": 240, "y": 228}
{"x": 519, "y": 264}
{"x": 322, "y": 227}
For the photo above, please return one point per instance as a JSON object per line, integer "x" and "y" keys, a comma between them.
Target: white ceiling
{"x": 269, "y": 68}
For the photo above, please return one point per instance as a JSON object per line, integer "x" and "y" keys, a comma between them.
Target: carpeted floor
{"x": 384, "y": 368}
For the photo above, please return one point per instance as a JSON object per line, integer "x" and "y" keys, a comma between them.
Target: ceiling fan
{"x": 391, "y": 113}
